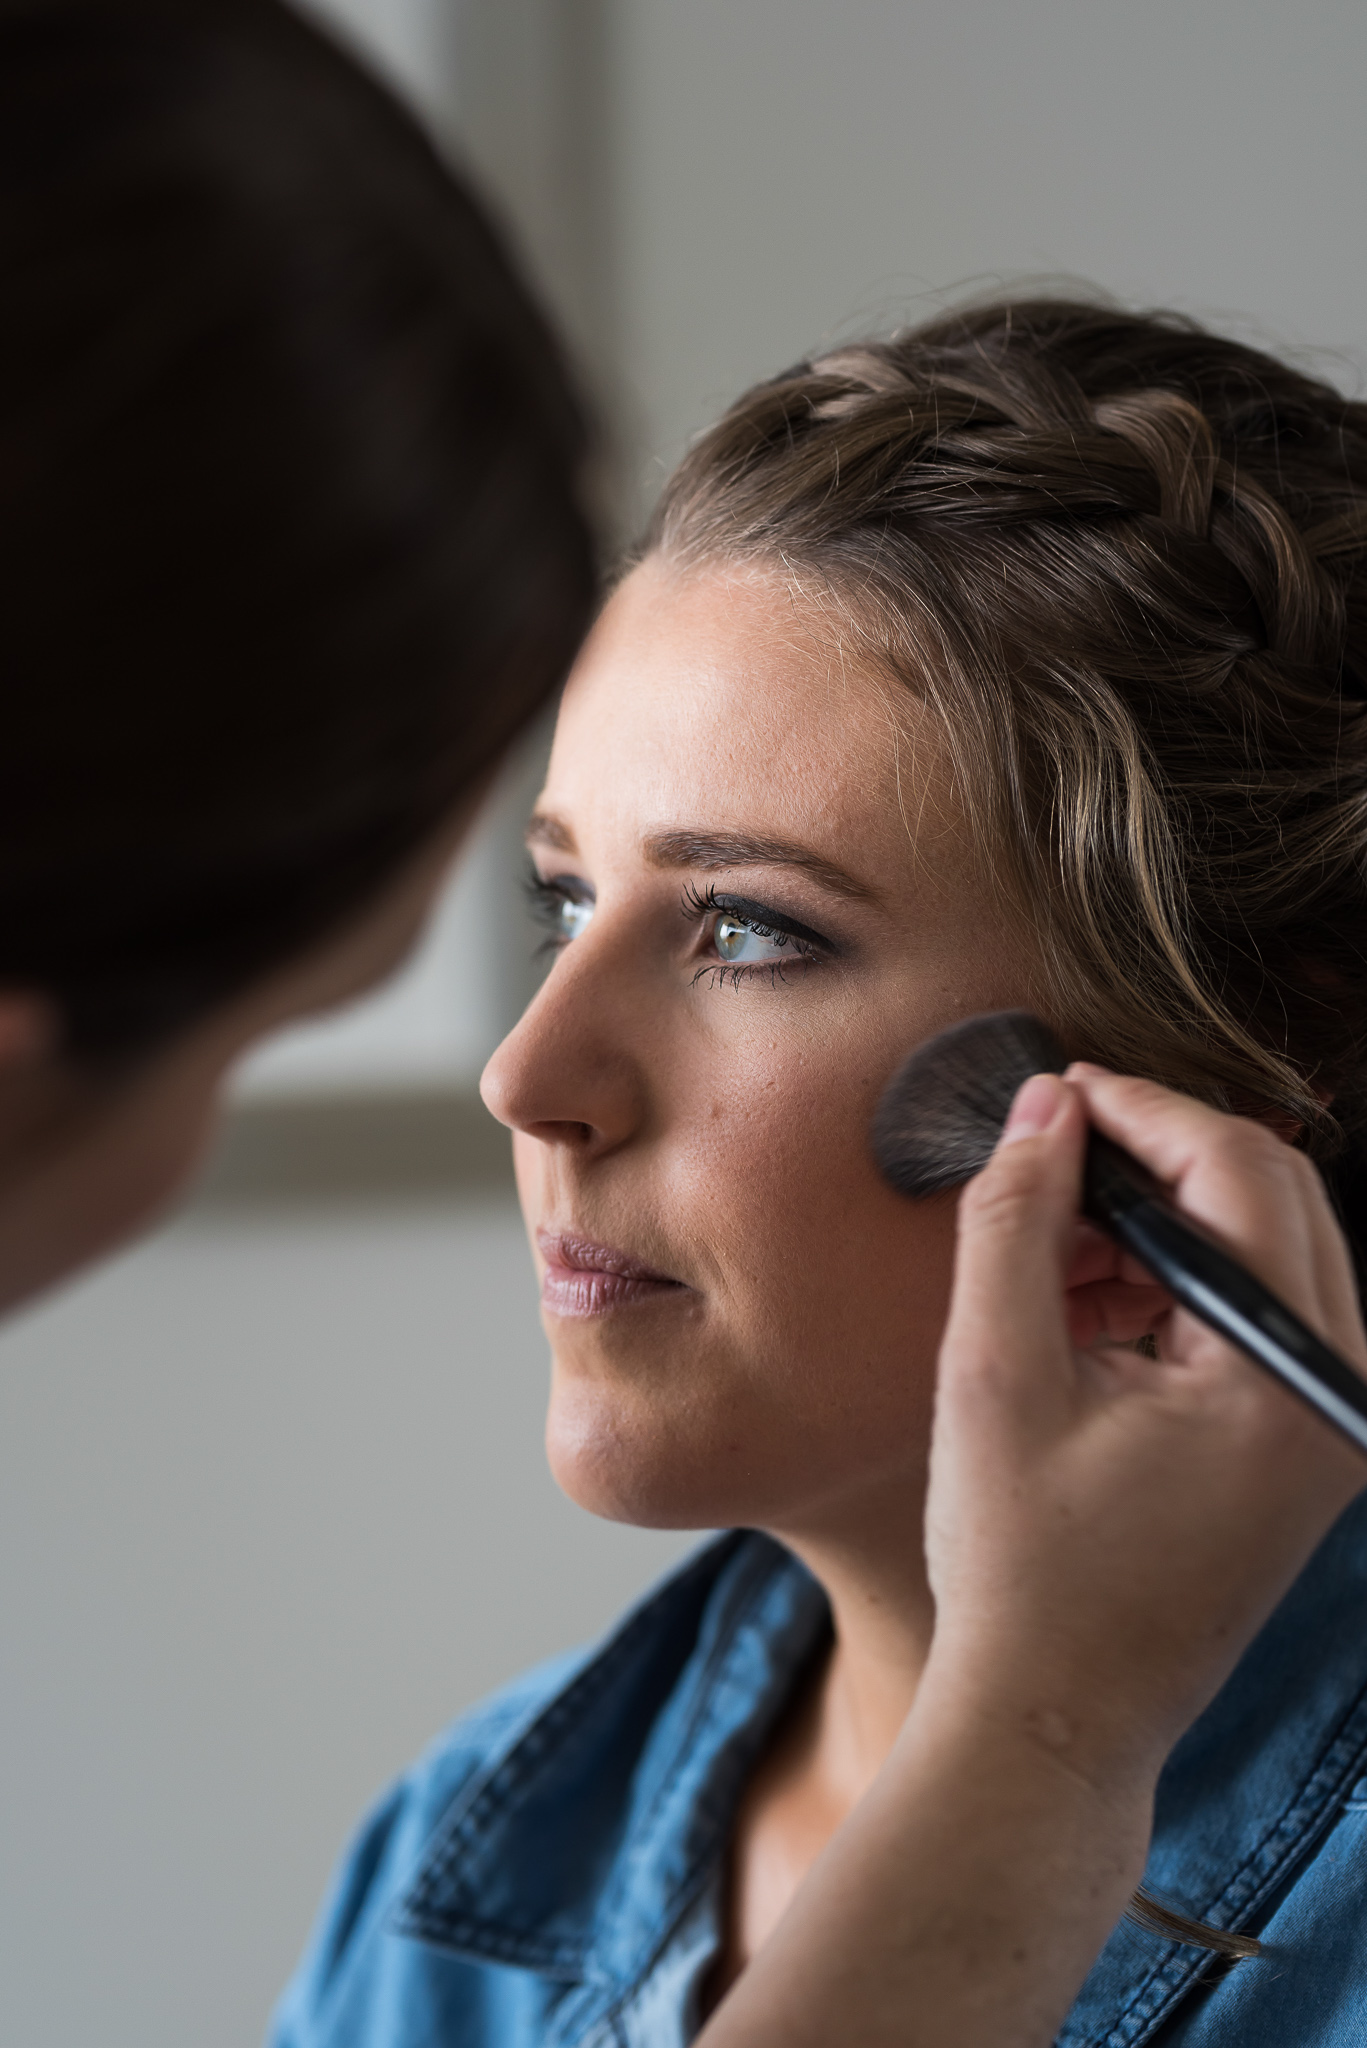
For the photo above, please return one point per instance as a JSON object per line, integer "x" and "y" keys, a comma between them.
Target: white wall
{"x": 271, "y": 1498}
{"x": 789, "y": 170}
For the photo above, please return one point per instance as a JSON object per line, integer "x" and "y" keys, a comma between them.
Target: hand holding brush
{"x": 1105, "y": 1533}
{"x": 940, "y": 1118}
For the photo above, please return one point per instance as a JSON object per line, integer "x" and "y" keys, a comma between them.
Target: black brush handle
{"x": 1123, "y": 1197}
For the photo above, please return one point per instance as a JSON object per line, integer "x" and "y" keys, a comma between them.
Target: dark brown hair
{"x": 292, "y": 535}
{"x": 1124, "y": 563}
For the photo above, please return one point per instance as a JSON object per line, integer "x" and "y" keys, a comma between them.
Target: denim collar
{"x": 579, "y": 1850}
{"x": 584, "y": 1844}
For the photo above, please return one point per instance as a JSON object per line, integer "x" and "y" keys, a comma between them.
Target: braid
{"x": 1124, "y": 562}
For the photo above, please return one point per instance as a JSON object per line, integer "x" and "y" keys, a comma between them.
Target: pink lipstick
{"x": 583, "y": 1279}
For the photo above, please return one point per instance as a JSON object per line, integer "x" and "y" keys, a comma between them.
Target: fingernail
{"x": 1034, "y": 1109}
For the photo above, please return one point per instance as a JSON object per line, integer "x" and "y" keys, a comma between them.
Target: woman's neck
{"x": 870, "y": 1560}
{"x": 883, "y": 1616}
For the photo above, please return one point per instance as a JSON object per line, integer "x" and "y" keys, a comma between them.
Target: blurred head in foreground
{"x": 292, "y": 546}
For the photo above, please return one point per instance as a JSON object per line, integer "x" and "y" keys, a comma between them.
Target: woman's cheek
{"x": 809, "y": 1242}
{"x": 821, "y": 1294}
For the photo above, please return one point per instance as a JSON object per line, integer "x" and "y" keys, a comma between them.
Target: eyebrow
{"x": 714, "y": 850}
{"x": 544, "y": 830}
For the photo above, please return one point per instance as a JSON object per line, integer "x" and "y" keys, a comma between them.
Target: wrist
{"x": 973, "y": 1886}
{"x": 1043, "y": 1731}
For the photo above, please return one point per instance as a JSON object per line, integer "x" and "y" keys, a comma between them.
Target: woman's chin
{"x": 626, "y": 1461}
{"x": 615, "y": 1468}
{"x": 701, "y": 1452}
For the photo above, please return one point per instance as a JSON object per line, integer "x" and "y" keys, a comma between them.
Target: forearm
{"x": 961, "y": 1905}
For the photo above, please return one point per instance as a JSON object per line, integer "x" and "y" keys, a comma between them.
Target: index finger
{"x": 1172, "y": 1134}
{"x": 1250, "y": 1188}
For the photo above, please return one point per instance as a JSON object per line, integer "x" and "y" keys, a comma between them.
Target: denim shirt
{"x": 551, "y": 1871}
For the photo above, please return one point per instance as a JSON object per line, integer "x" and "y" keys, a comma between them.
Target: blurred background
{"x": 272, "y": 1505}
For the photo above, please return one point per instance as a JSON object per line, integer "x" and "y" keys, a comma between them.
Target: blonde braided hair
{"x": 1125, "y": 563}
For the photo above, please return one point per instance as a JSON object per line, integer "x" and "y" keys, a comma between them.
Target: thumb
{"x": 1007, "y": 1318}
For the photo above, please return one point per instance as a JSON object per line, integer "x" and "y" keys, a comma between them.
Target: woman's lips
{"x": 583, "y": 1279}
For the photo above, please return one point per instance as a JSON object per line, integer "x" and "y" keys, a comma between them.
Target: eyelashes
{"x": 748, "y": 938}
{"x": 736, "y": 920}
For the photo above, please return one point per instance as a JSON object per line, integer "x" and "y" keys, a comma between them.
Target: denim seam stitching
{"x": 1157, "y": 1993}
{"x": 503, "y": 1779}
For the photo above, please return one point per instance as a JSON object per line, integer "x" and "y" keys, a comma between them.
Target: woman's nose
{"x": 563, "y": 1074}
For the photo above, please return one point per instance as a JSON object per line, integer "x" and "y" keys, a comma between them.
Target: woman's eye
{"x": 563, "y": 908}
{"x": 572, "y": 917}
{"x": 741, "y": 938}
{"x": 735, "y": 940}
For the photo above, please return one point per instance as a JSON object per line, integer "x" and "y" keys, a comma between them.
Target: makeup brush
{"x": 939, "y": 1120}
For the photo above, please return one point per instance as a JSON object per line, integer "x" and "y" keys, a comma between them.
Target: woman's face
{"x": 761, "y": 898}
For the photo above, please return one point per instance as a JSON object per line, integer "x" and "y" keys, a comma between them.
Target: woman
{"x": 1012, "y": 662}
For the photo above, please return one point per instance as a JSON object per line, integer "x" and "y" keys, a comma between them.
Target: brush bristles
{"x": 943, "y": 1110}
